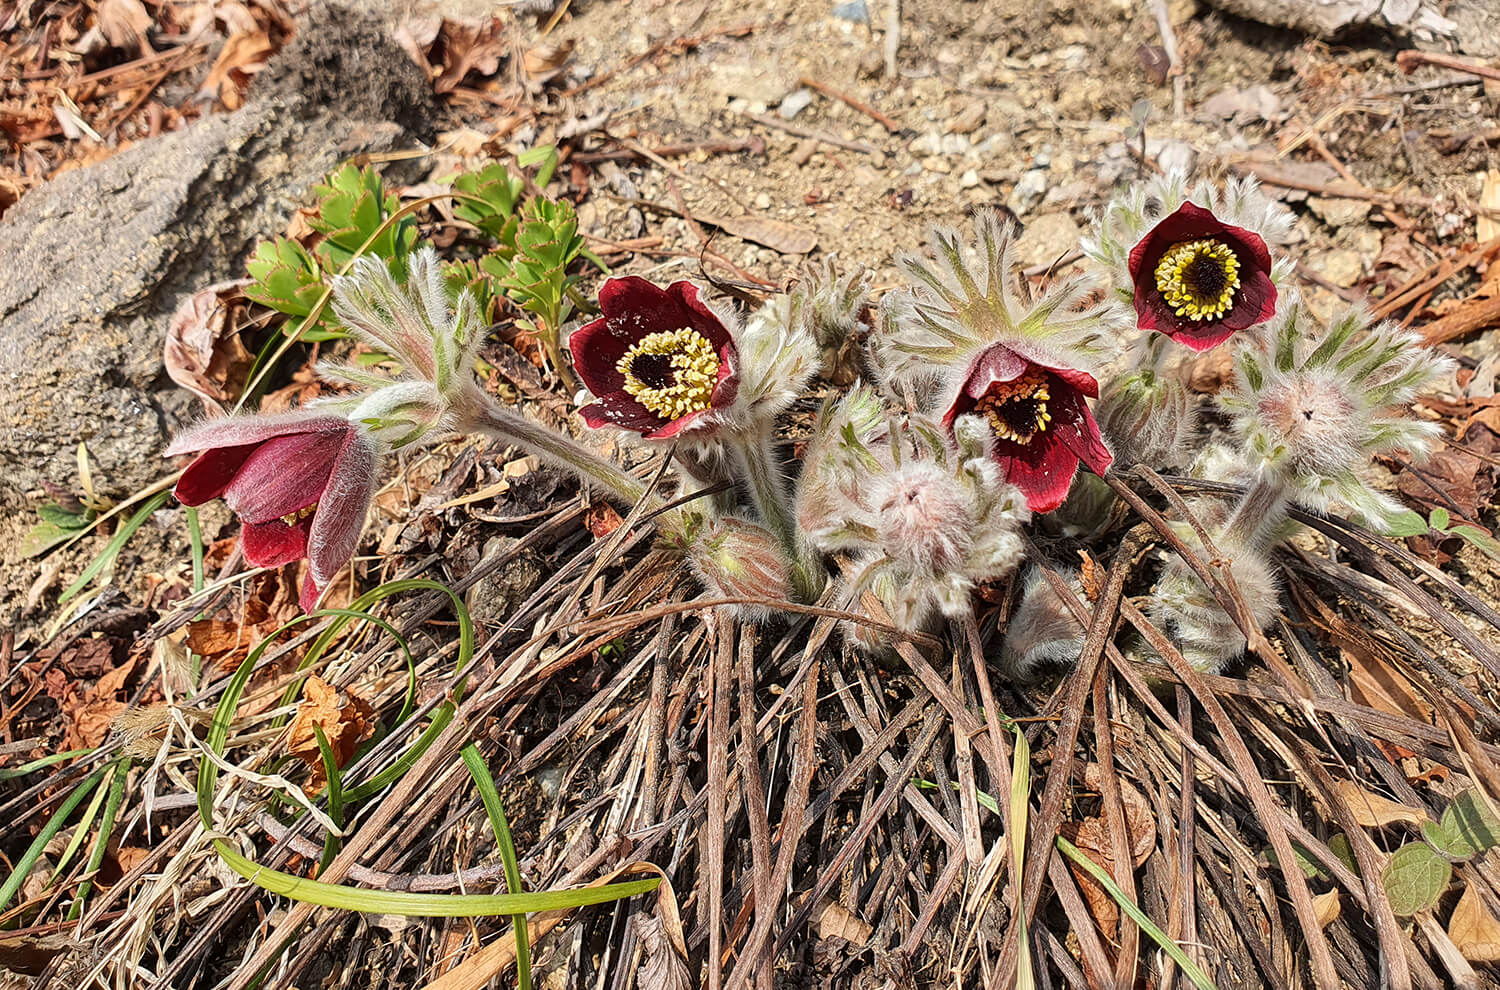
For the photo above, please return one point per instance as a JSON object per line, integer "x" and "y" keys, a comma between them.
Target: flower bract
{"x": 300, "y": 483}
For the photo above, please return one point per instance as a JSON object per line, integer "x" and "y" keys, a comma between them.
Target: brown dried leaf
{"x": 1374, "y": 811}
{"x": 201, "y": 354}
{"x": 602, "y": 519}
{"x": 777, "y": 235}
{"x": 837, "y": 921}
{"x": 1327, "y": 907}
{"x": 1473, "y": 929}
{"x": 345, "y": 719}
{"x": 467, "y": 46}
{"x": 546, "y": 60}
{"x": 241, "y": 57}
{"x": 124, "y": 24}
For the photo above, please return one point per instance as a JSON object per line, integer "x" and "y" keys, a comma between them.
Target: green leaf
{"x": 1407, "y": 523}
{"x": 1438, "y": 520}
{"x": 1339, "y": 845}
{"x": 1143, "y": 922}
{"x": 43, "y": 537}
{"x": 1309, "y": 866}
{"x": 62, "y": 518}
{"x": 352, "y": 207}
{"x": 1415, "y": 878}
{"x": 500, "y": 193}
{"x": 1467, "y": 828}
{"x": 1479, "y": 538}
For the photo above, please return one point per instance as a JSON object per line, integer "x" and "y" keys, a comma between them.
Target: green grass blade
{"x": 1101, "y": 876}
{"x": 425, "y": 905}
{"x": 41, "y": 763}
{"x": 116, "y": 544}
{"x": 101, "y": 842}
{"x": 332, "y": 842}
{"x": 492, "y": 806}
{"x": 195, "y": 537}
{"x": 1020, "y": 803}
{"x": 23, "y": 865}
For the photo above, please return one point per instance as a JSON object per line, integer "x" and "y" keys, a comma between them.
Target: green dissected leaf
{"x": 1415, "y": 878}
{"x": 461, "y": 275}
{"x": 546, "y": 243}
{"x": 501, "y": 193}
{"x": 289, "y": 279}
{"x": 352, "y": 206}
{"x": 1467, "y": 827}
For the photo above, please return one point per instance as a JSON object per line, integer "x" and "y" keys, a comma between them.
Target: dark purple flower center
{"x": 1017, "y": 409}
{"x": 1198, "y": 279}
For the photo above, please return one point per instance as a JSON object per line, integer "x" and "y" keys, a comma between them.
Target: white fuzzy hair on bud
{"x": 736, "y": 558}
{"x": 923, "y": 517}
{"x": 1184, "y": 608}
{"x": 1042, "y": 633}
{"x": 1312, "y": 405}
{"x": 1148, "y": 417}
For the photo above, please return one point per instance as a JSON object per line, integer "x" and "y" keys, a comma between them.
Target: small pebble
{"x": 762, "y": 201}
{"x": 794, "y": 103}
{"x": 853, "y": 10}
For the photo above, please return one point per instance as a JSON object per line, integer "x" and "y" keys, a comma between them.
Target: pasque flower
{"x": 1194, "y": 264}
{"x": 966, "y": 337}
{"x": 300, "y": 482}
{"x": 1041, "y": 424}
{"x": 1199, "y": 280}
{"x": 658, "y": 360}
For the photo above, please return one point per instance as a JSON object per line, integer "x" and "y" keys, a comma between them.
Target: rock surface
{"x": 97, "y": 260}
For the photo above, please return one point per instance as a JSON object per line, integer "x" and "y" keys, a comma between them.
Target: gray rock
{"x": 499, "y": 593}
{"x": 1047, "y": 238}
{"x": 98, "y": 259}
{"x": 794, "y": 103}
{"x": 1028, "y": 191}
{"x": 1338, "y": 212}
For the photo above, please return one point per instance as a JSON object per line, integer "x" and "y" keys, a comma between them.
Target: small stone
{"x": 1174, "y": 156}
{"x": 937, "y": 163}
{"x": 969, "y": 119}
{"x": 1028, "y": 191}
{"x": 1340, "y": 266}
{"x": 968, "y": 180}
{"x": 853, "y": 10}
{"x": 806, "y": 148}
{"x": 1047, "y": 238}
{"x": 871, "y": 63}
{"x": 794, "y": 103}
{"x": 1338, "y": 212}
{"x": 762, "y": 201}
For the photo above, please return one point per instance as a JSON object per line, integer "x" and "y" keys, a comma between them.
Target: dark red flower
{"x": 1198, "y": 280}
{"x": 657, "y": 360}
{"x": 1041, "y": 424}
{"x": 301, "y": 484}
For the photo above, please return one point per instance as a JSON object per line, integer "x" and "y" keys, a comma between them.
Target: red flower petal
{"x": 622, "y": 410}
{"x": 596, "y": 349}
{"x": 1043, "y": 470}
{"x": 310, "y": 592}
{"x": 206, "y": 478}
{"x": 1075, "y": 428}
{"x": 284, "y": 475}
{"x": 271, "y": 544}
{"x": 341, "y": 512}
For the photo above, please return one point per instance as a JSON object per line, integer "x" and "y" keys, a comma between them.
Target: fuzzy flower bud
{"x": 922, "y": 516}
{"x": 1147, "y": 418}
{"x": 1184, "y": 608}
{"x": 1042, "y": 634}
{"x": 736, "y": 558}
{"x": 1313, "y": 405}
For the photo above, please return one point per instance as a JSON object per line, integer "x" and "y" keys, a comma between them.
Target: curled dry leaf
{"x": 1327, "y": 907}
{"x": 1092, "y": 837}
{"x": 837, "y": 921}
{"x": 1374, "y": 811}
{"x": 1473, "y": 929}
{"x": 345, "y": 719}
{"x": 201, "y": 353}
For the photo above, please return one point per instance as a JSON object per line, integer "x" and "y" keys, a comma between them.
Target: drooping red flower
{"x": 1041, "y": 424}
{"x": 300, "y": 483}
{"x": 657, "y": 360}
{"x": 1199, "y": 280}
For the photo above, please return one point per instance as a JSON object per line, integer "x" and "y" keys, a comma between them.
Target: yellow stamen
{"x": 293, "y": 518}
{"x": 1017, "y": 409}
{"x": 672, "y": 373}
{"x": 1198, "y": 279}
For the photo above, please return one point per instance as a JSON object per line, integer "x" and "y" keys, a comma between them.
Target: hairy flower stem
{"x": 484, "y": 415}
{"x": 753, "y": 452}
{"x": 1260, "y": 510}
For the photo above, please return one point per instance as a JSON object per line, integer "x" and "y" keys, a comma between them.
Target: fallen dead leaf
{"x": 1327, "y": 907}
{"x": 124, "y": 24}
{"x": 602, "y": 520}
{"x": 201, "y": 353}
{"x": 243, "y": 55}
{"x": 1473, "y": 929}
{"x": 785, "y": 238}
{"x": 1486, "y": 227}
{"x": 345, "y": 719}
{"x": 837, "y": 921}
{"x": 1092, "y": 837}
{"x": 1374, "y": 811}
